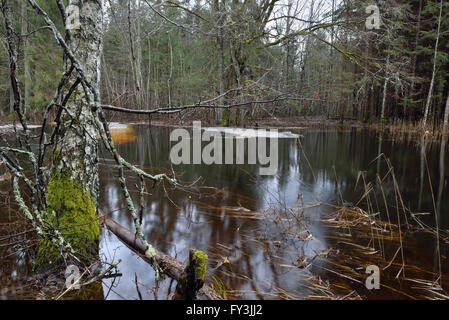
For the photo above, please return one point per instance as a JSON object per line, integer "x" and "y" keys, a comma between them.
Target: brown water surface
{"x": 231, "y": 213}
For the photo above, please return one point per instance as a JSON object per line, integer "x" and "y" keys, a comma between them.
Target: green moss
{"x": 219, "y": 287}
{"x": 225, "y": 118}
{"x": 72, "y": 211}
{"x": 200, "y": 264}
{"x": 81, "y": 164}
{"x": 56, "y": 157}
{"x": 193, "y": 276}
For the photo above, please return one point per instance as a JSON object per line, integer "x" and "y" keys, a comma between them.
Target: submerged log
{"x": 170, "y": 266}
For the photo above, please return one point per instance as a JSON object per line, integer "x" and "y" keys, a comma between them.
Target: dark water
{"x": 222, "y": 213}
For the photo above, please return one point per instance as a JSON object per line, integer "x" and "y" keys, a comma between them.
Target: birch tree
{"x": 63, "y": 196}
{"x": 446, "y": 117}
{"x": 72, "y": 189}
{"x": 218, "y": 11}
{"x": 432, "y": 81}
{"x": 26, "y": 60}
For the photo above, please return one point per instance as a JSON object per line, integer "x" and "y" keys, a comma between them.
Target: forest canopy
{"x": 318, "y": 53}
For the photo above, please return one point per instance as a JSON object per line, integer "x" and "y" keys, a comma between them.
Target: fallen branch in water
{"x": 170, "y": 266}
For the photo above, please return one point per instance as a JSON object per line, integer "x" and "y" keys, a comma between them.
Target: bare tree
{"x": 432, "y": 81}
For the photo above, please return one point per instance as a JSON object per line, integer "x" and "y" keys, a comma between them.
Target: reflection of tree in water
{"x": 17, "y": 280}
{"x": 206, "y": 218}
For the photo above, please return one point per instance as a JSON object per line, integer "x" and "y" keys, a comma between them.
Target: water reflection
{"x": 221, "y": 215}
{"x": 207, "y": 219}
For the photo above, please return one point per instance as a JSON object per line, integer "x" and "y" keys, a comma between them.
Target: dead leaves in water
{"x": 364, "y": 239}
{"x": 230, "y": 211}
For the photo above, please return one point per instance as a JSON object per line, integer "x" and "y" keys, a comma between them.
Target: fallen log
{"x": 170, "y": 266}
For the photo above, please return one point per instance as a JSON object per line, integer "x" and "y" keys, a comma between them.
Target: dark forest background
{"x": 310, "y": 58}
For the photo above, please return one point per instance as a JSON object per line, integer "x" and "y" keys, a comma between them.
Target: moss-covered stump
{"x": 193, "y": 276}
{"x": 72, "y": 211}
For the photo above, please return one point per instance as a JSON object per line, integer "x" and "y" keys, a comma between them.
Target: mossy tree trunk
{"x": 77, "y": 141}
{"x": 72, "y": 191}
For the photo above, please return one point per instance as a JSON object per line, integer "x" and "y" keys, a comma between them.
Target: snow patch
{"x": 251, "y": 133}
{"x": 18, "y": 126}
{"x": 117, "y": 126}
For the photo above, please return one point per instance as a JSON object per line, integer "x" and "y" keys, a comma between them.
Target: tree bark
{"x": 384, "y": 97}
{"x": 220, "y": 57}
{"x": 77, "y": 142}
{"x": 192, "y": 279}
{"x": 170, "y": 73}
{"x": 72, "y": 190}
{"x": 136, "y": 56}
{"x": 26, "y": 62}
{"x": 446, "y": 117}
{"x": 432, "y": 81}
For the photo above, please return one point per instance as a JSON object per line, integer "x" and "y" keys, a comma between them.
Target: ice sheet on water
{"x": 117, "y": 125}
{"x": 18, "y": 126}
{"x": 250, "y": 133}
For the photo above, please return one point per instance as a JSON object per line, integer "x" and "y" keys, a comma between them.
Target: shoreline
{"x": 296, "y": 123}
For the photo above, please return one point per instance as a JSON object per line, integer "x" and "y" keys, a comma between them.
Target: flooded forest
{"x": 224, "y": 150}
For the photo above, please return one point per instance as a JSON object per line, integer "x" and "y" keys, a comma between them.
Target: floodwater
{"x": 258, "y": 230}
